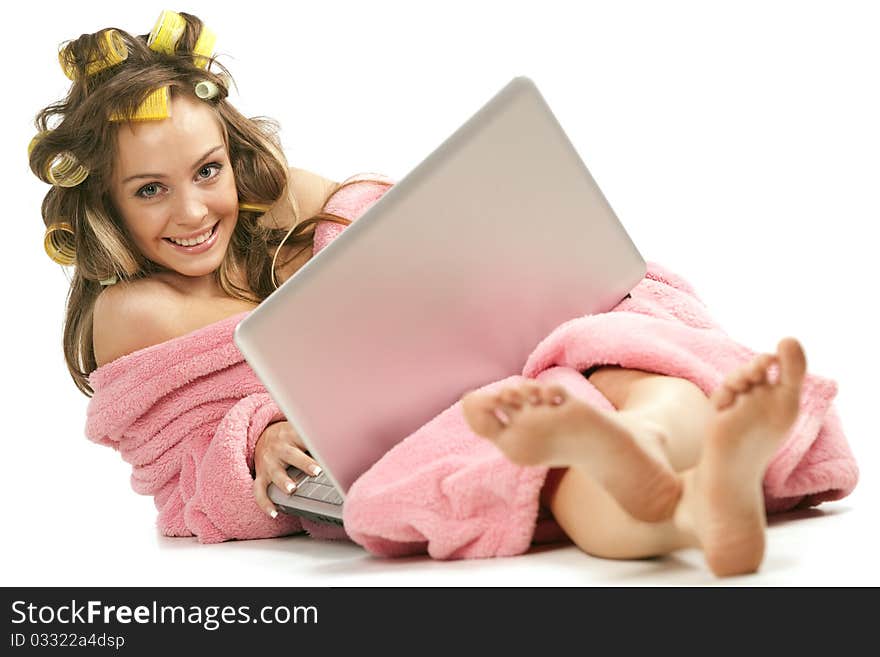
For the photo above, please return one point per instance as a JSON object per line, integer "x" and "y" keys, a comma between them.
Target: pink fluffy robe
{"x": 186, "y": 415}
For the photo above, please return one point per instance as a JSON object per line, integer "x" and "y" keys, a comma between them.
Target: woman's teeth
{"x": 194, "y": 241}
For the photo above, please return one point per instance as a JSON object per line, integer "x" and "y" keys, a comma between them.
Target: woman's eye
{"x": 210, "y": 167}
{"x": 143, "y": 191}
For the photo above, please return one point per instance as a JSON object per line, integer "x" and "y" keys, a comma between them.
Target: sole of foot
{"x": 537, "y": 424}
{"x": 723, "y": 501}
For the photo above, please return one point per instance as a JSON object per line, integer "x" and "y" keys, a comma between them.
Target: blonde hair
{"x": 80, "y": 125}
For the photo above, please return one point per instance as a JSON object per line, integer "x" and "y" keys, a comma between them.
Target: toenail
{"x": 502, "y": 416}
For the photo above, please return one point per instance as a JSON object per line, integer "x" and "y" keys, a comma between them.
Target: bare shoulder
{"x": 312, "y": 190}
{"x": 133, "y": 315}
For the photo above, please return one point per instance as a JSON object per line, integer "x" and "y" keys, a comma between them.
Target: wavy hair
{"x": 80, "y": 125}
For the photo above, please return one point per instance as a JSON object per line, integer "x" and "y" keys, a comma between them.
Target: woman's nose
{"x": 191, "y": 209}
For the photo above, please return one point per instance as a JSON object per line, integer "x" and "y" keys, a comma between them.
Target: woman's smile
{"x": 199, "y": 244}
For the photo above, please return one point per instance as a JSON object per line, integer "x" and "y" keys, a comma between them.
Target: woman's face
{"x": 172, "y": 179}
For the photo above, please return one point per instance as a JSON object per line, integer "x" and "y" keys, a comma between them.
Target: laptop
{"x": 447, "y": 283}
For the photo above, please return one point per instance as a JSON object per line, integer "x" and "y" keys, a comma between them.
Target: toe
{"x": 546, "y": 393}
{"x": 532, "y": 393}
{"x": 479, "y": 410}
{"x": 502, "y": 415}
{"x": 792, "y": 363}
{"x": 738, "y": 381}
{"x": 723, "y": 397}
{"x": 758, "y": 369}
{"x": 512, "y": 398}
{"x": 555, "y": 394}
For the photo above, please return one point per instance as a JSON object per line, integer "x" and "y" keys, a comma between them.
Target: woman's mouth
{"x": 201, "y": 247}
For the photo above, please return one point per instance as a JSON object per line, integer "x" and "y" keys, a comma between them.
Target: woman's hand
{"x": 278, "y": 447}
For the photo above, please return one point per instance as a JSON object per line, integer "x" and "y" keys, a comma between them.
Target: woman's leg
{"x": 585, "y": 510}
{"x": 678, "y": 406}
{"x": 599, "y": 526}
{"x": 656, "y": 431}
{"x": 721, "y": 501}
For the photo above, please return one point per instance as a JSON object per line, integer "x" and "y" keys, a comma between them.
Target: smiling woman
{"x": 161, "y": 186}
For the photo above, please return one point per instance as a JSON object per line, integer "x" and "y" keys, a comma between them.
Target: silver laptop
{"x": 446, "y": 284}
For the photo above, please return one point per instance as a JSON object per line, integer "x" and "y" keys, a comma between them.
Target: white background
{"x": 738, "y": 143}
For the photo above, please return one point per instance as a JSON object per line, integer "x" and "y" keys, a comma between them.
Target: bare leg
{"x": 721, "y": 508}
{"x": 658, "y": 430}
{"x": 683, "y": 412}
{"x": 677, "y": 405}
{"x": 624, "y": 454}
{"x": 599, "y": 526}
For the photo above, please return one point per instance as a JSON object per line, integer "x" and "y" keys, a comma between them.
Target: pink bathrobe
{"x": 186, "y": 414}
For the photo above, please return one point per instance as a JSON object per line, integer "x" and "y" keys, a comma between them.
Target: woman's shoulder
{"x": 311, "y": 191}
{"x": 132, "y": 315}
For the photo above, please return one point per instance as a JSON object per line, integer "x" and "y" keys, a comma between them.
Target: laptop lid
{"x": 446, "y": 284}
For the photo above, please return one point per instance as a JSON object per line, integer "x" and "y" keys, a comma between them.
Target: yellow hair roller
{"x": 167, "y": 32}
{"x": 65, "y": 170}
{"x": 254, "y": 207}
{"x": 59, "y": 243}
{"x": 155, "y": 106}
{"x": 204, "y": 47}
{"x": 112, "y": 51}
{"x": 34, "y": 141}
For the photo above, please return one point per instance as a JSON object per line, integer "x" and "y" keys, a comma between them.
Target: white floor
{"x": 818, "y": 548}
{"x": 829, "y": 546}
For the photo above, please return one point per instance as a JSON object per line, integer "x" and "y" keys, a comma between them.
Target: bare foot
{"x": 723, "y": 501}
{"x": 536, "y": 424}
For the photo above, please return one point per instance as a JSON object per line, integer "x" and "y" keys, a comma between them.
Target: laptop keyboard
{"x": 314, "y": 488}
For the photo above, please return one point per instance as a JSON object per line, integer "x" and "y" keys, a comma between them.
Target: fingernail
{"x": 274, "y": 514}
{"x": 557, "y": 400}
{"x": 534, "y": 399}
{"x": 316, "y": 470}
{"x": 291, "y": 486}
{"x": 502, "y": 416}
